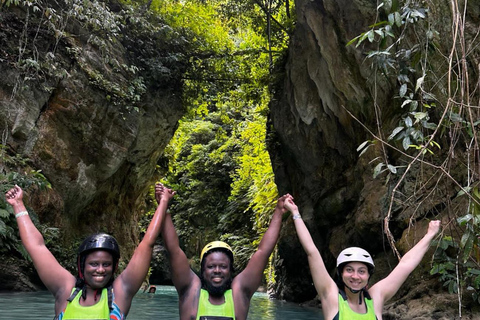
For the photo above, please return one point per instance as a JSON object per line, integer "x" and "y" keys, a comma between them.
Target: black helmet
{"x": 101, "y": 241}
{"x": 98, "y": 241}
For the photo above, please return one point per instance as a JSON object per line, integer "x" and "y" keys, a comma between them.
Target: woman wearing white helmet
{"x": 348, "y": 297}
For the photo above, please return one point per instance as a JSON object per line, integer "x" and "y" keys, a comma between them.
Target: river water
{"x": 163, "y": 305}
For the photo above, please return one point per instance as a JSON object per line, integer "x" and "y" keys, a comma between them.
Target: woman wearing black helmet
{"x": 348, "y": 297}
{"x": 95, "y": 293}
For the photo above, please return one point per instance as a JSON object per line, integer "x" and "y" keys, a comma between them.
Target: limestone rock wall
{"x": 318, "y": 116}
{"x": 93, "y": 114}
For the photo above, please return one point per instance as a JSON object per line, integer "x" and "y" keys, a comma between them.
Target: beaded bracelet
{"x": 297, "y": 216}
{"x": 21, "y": 213}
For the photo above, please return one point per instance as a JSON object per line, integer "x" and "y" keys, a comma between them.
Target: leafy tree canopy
{"x": 217, "y": 161}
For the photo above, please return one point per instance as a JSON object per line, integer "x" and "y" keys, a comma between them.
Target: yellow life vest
{"x": 207, "y": 311}
{"x": 98, "y": 311}
{"x": 346, "y": 313}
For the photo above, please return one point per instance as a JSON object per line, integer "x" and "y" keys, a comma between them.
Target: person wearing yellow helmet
{"x": 216, "y": 245}
{"x": 217, "y": 293}
{"x": 348, "y": 297}
{"x": 209, "y": 249}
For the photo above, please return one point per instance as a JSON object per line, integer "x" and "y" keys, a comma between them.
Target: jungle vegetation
{"x": 217, "y": 161}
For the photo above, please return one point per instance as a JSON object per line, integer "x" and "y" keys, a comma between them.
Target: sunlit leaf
{"x": 408, "y": 121}
{"x": 420, "y": 115}
{"x": 406, "y": 143}
{"x": 468, "y": 246}
{"x": 403, "y": 90}
{"x": 419, "y": 83}
{"x": 398, "y": 19}
{"x": 362, "y": 145}
{"x": 371, "y": 35}
{"x": 392, "y": 169}
{"x": 395, "y": 132}
{"x": 391, "y": 19}
{"x": 377, "y": 170}
{"x": 463, "y": 191}
{"x": 463, "y": 220}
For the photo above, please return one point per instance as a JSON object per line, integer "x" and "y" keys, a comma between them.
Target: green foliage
{"x": 200, "y": 172}
{"x": 222, "y": 172}
{"x": 253, "y": 178}
{"x": 398, "y": 58}
{"x": 221, "y": 53}
{"x": 199, "y": 18}
{"x": 123, "y": 76}
{"x": 25, "y": 3}
{"x": 218, "y": 162}
{"x": 445, "y": 265}
{"x": 8, "y": 236}
{"x": 457, "y": 273}
{"x": 404, "y": 41}
{"x": 64, "y": 252}
{"x": 471, "y": 224}
{"x": 458, "y": 262}
{"x": 15, "y": 170}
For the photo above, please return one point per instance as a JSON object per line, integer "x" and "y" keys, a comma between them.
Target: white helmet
{"x": 355, "y": 254}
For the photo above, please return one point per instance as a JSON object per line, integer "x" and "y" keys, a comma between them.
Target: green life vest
{"x": 98, "y": 311}
{"x": 345, "y": 313}
{"x": 207, "y": 311}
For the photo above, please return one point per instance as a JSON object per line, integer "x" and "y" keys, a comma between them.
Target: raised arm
{"x": 250, "y": 278}
{"x": 182, "y": 275}
{"x": 53, "y": 275}
{"x": 134, "y": 274}
{"x": 386, "y": 288}
{"x": 324, "y": 284}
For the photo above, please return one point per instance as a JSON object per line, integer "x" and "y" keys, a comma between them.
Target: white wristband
{"x": 21, "y": 213}
{"x": 297, "y": 216}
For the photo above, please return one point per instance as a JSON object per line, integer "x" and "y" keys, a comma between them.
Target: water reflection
{"x": 264, "y": 308}
{"x": 162, "y": 305}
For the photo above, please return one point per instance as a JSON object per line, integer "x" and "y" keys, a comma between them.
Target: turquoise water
{"x": 163, "y": 305}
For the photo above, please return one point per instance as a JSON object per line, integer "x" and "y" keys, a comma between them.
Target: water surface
{"x": 163, "y": 305}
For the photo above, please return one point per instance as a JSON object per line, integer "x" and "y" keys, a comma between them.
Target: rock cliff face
{"x": 93, "y": 113}
{"x": 328, "y": 95}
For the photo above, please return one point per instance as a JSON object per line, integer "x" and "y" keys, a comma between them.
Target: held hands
{"x": 281, "y": 203}
{"x": 14, "y": 196}
{"x": 163, "y": 193}
{"x": 290, "y": 205}
{"x": 285, "y": 204}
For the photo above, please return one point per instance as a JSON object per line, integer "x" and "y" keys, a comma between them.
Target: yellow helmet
{"x": 217, "y": 245}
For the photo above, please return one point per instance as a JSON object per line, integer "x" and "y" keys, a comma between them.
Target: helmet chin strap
{"x": 355, "y": 292}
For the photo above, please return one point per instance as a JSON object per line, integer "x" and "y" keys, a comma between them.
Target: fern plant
{"x": 15, "y": 171}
